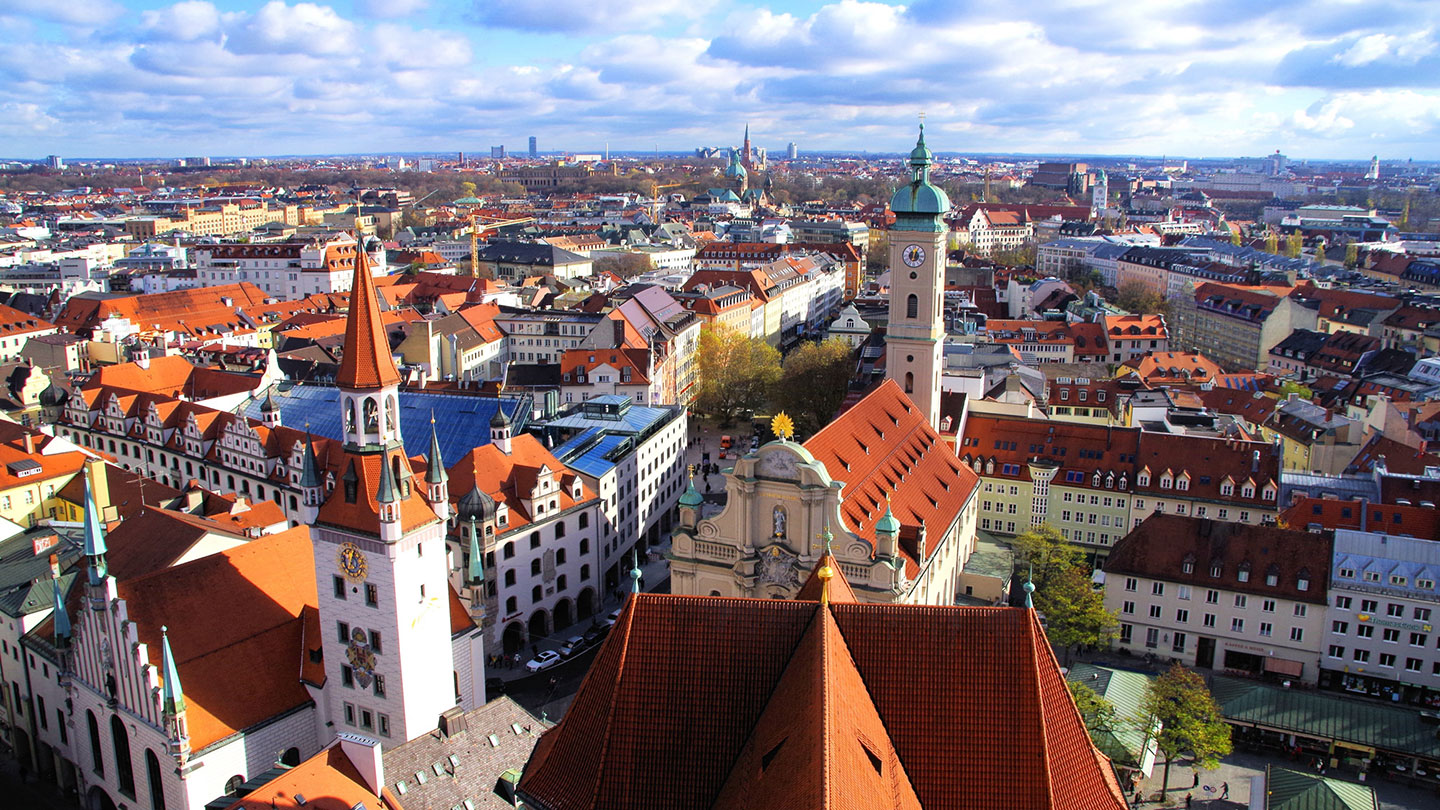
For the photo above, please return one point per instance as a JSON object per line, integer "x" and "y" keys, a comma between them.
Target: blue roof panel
{"x": 462, "y": 422}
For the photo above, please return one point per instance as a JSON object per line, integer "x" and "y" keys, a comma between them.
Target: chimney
{"x": 29, "y": 443}
{"x": 364, "y": 754}
{"x": 99, "y": 486}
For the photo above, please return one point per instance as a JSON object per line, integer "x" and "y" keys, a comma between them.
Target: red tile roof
{"x": 269, "y": 589}
{"x": 367, "y": 362}
{"x": 363, "y": 514}
{"x": 1163, "y": 545}
{"x": 1399, "y": 457}
{"x": 327, "y": 781}
{"x": 174, "y": 376}
{"x": 1414, "y": 521}
{"x": 701, "y": 702}
{"x": 883, "y": 449}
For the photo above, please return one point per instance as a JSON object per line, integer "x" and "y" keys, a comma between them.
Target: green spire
{"x": 94, "y": 537}
{"x": 828, "y": 538}
{"x": 1029, "y": 588}
{"x": 887, "y": 522}
{"x": 477, "y": 562}
{"x": 919, "y": 205}
{"x": 389, "y": 492}
{"x": 310, "y": 470}
{"x": 692, "y": 496}
{"x": 62, "y": 618}
{"x": 172, "y": 696}
{"x": 435, "y": 469}
{"x": 635, "y": 572}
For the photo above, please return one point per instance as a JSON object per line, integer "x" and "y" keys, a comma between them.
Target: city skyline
{"x": 138, "y": 78}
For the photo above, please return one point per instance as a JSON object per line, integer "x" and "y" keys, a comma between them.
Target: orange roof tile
{"x": 327, "y": 781}
{"x": 367, "y": 362}
{"x": 363, "y": 514}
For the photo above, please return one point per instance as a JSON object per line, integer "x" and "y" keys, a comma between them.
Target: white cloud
{"x": 390, "y": 9}
{"x": 191, "y": 19}
{"x": 1408, "y": 48}
{"x": 301, "y": 28}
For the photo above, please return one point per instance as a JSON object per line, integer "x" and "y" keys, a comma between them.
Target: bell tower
{"x": 915, "y": 342}
{"x": 380, "y": 558}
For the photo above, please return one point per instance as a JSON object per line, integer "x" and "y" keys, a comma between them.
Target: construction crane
{"x": 475, "y": 236}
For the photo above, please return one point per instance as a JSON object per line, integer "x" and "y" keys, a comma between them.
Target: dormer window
{"x": 1272, "y": 576}
{"x": 1243, "y": 574}
{"x": 1247, "y": 491}
{"x": 1182, "y": 483}
{"x": 1143, "y": 479}
{"x": 1302, "y": 580}
{"x": 1216, "y": 569}
{"x": 1227, "y": 488}
{"x": 1188, "y": 565}
{"x": 1269, "y": 493}
{"x": 1166, "y": 482}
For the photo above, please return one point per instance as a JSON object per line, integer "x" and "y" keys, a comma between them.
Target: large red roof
{"x": 702, "y": 702}
{"x": 885, "y": 451}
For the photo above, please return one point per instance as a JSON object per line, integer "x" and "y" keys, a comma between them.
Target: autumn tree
{"x": 1097, "y": 712}
{"x": 1294, "y": 245}
{"x": 1135, "y": 296}
{"x": 1074, "y": 611}
{"x": 813, "y": 383}
{"x": 1190, "y": 720}
{"x": 737, "y": 372}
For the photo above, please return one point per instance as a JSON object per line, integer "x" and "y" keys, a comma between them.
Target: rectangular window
{"x": 1127, "y": 607}
{"x": 372, "y": 596}
{"x": 1340, "y": 628}
{"x": 349, "y": 714}
{"x": 1265, "y": 628}
{"x": 384, "y": 724}
{"x": 1209, "y": 620}
{"x": 1369, "y": 605}
{"x": 1418, "y": 639}
{"x": 1154, "y": 611}
{"x": 1240, "y": 600}
{"x": 1412, "y": 665}
{"x": 1158, "y": 589}
{"x": 1183, "y": 592}
{"x": 1365, "y": 631}
{"x": 1297, "y": 634}
{"x": 1182, "y": 616}
{"x": 347, "y": 676}
{"x": 1391, "y": 635}
{"x": 1237, "y": 625}
{"x": 1362, "y": 656}
{"x": 1301, "y": 610}
{"x": 375, "y": 641}
{"x": 342, "y": 632}
{"x": 1152, "y": 637}
{"x": 1422, "y": 614}
{"x": 1387, "y": 660}
{"x": 367, "y": 719}
{"x": 1337, "y": 651}
{"x": 339, "y": 587}
{"x": 1130, "y": 583}
{"x": 379, "y": 686}
{"x": 1178, "y": 644}
{"x": 1267, "y": 605}
{"x": 1125, "y": 633}
{"x": 1342, "y": 603}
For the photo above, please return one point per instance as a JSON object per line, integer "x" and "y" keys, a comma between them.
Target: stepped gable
{"x": 883, "y": 449}
{"x": 710, "y": 702}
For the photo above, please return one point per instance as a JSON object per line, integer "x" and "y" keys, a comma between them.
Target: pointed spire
{"x": 692, "y": 497}
{"x": 94, "y": 537}
{"x": 635, "y": 572}
{"x": 477, "y": 561}
{"x": 1029, "y": 588}
{"x": 435, "y": 464}
{"x": 172, "y": 696}
{"x": 62, "y": 618}
{"x": 367, "y": 361}
{"x": 887, "y": 522}
{"x": 310, "y": 470}
{"x": 389, "y": 492}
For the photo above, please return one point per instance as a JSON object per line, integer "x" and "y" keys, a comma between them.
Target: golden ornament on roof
{"x": 782, "y": 426}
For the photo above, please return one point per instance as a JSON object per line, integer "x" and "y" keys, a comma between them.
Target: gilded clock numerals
{"x": 352, "y": 562}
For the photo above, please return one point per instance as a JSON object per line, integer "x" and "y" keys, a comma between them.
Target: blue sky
{"x": 134, "y": 78}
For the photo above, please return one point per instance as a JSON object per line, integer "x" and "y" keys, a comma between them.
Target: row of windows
{"x": 1392, "y": 609}
{"x": 1386, "y": 660}
{"x": 1398, "y": 580}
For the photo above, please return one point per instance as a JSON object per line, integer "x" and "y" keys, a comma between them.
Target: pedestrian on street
{"x": 1189, "y": 797}
{"x": 1196, "y": 783}
{"x": 1224, "y": 790}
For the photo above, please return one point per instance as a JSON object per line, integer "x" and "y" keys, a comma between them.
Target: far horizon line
{"x": 674, "y": 153}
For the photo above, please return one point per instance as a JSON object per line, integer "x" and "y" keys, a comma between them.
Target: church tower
{"x": 745, "y": 153}
{"x": 380, "y": 556}
{"x": 915, "y": 342}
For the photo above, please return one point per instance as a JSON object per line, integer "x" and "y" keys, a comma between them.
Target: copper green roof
{"x": 1313, "y": 714}
{"x": 919, "y": 205}
{"x": 1125, "y": 742}
{"x": 1294, "y": 790}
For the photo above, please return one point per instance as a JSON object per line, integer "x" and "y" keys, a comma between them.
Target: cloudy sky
{"x": 136, "y": 78}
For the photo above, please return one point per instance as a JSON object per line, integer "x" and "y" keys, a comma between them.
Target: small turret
{"x": 95, "y": 552}
{"x": 172, "y": 702}
{"x": 475, "y": 575}
{"x": 887, "y": 535}
{"x": 437, "y": 487}
{"x": 312, "y": 489}
{"x": 1029, "y": 588}
{"x": 63, "y": 631}
{"x": 388, "y": 499}
{"x": 690, "y": 503}
{"x": 269, "y": 411}
{"x": 635, "y": 572}
{"x": 500, "y": 431}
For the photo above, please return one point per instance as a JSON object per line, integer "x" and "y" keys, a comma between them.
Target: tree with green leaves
{"x": 1044, "y": 554}
{"x": 1135, "y": 296}
{"x": 1190, "y": 719}
{"x": 1097, "y": 712}
{"x": 1074, "y": 611}
{"x": 737, "y": 372}
{"x": 813, "y": 382}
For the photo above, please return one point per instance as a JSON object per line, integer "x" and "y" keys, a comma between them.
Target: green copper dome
{"x": 887, "y": 524}
{"x": 691, "y": 498}
{"x": 920, "y": 204}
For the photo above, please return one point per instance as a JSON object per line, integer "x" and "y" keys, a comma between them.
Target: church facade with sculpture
{"x": 878, "y": 487}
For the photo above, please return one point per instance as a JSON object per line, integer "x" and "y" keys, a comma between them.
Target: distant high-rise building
{"x": 792, "y": 151}
{"x": 1100, "y": 194}
{"x": 534, "y": 148}
{"x": 55, "y": 162}
{"x": 1374, "y": 173}
{"x": 497, "y": 152}
{"x": 1278, "y": 163}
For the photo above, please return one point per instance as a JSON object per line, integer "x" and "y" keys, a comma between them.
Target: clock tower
{"x": 915, "y": 340}
{"x": 380, "y": 556}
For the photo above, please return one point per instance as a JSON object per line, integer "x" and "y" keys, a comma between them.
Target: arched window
{"x": 912, "y": 306}
{"x": 372, "y": 416}
{"x": 152, "y": 774}
{"x": 232, "y": 785}
{"x": 124, "y": 768}
{"x": 909, "y": 382}
{"x": 349, "y": 416}
{"x": 560, "y": 529}
{"x": 509, "y": 550}
{"x": 534, "y": 568}
{"x": 584, "y": 520}
{"x": 509, "y": 578}
{"x": 98, "y": 764}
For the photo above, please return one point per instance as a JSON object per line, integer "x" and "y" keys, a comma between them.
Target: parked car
{"x": 494, "y": 687}
{"x": 725, "y": 442}
{"x": 572, "y": 645}
{"x": 597, "y": 633}
{"x": 612, "y": 618}
{"x": 545, "y": 660}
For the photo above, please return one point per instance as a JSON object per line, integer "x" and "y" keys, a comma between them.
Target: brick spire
{"x": 367, "y": 362}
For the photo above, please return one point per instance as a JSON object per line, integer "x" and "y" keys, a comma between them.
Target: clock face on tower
{"x": 913, "y": 255}
{"x": 352, "y": 562}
